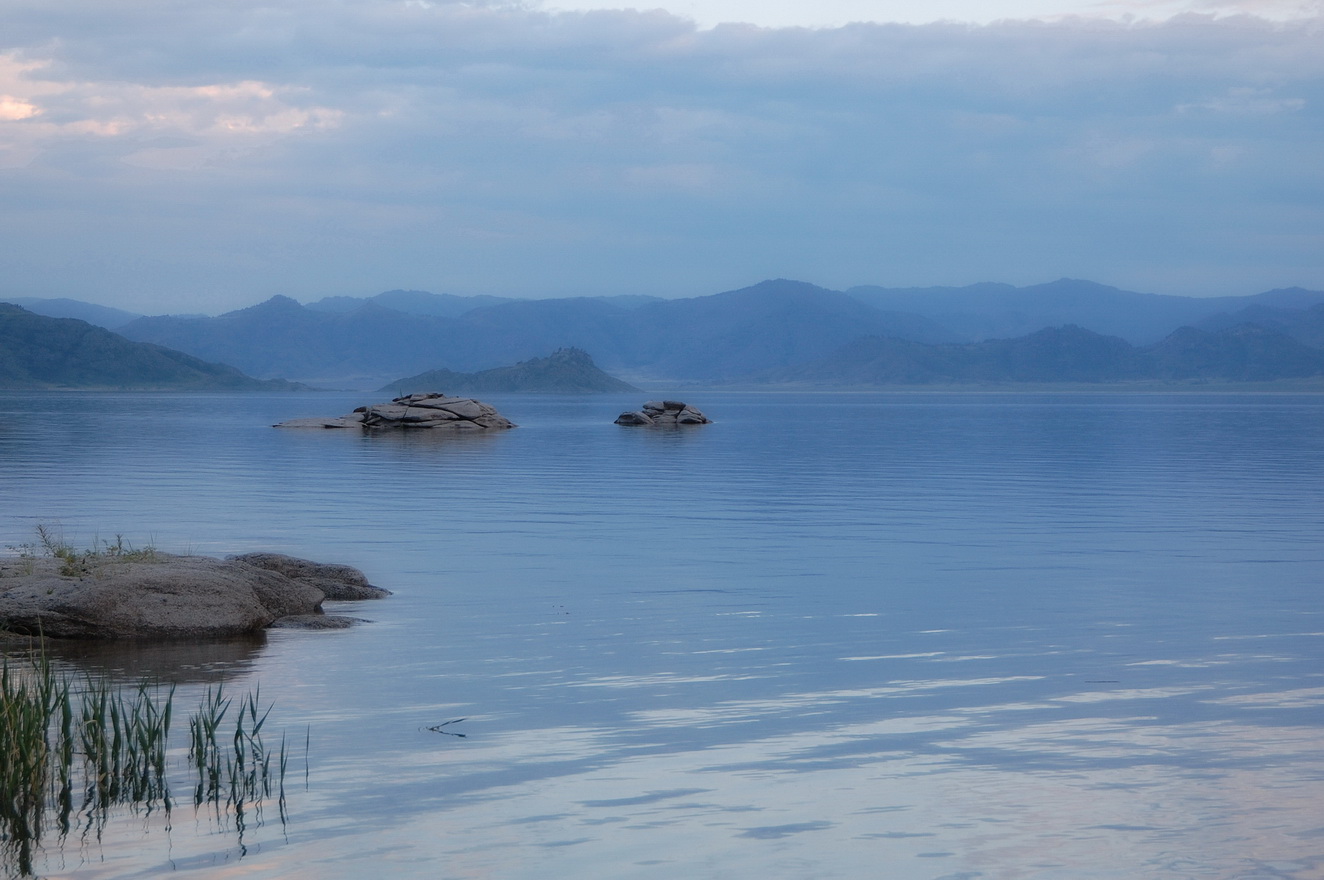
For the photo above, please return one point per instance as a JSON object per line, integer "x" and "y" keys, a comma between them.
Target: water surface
{"x": 854, "y": 635}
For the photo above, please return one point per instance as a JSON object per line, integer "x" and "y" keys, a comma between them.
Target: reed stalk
{"x": 62, "y": 733}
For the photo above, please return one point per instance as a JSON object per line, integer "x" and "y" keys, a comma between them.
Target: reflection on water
{"x": 913, "y": 636}
{"x": 82, "y": 755}
{"x": 197, "y": 661}
{"x": 863, "y": 801}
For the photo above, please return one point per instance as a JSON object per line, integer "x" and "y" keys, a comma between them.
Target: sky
{"x": 188, "y": 156}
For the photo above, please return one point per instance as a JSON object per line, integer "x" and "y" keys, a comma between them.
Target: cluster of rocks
{"x": 664, "y": 413}
{"x": 172, "y": 597}
{"x": 430, "y": 410}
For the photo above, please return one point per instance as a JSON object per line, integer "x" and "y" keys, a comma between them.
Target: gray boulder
{"x": 164, "y": 597}
{"x": 432, "y": 410}
{"x": 663, "y": 413}
{"x": 337, "y": 582}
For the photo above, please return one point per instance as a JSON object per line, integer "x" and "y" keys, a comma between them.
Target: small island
{"x": 428, "y": 411}
{"x": 565, "y": 371}
{"x": 663, "y": 413}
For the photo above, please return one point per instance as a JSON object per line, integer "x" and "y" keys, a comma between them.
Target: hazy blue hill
{"x": 630, "y": 300}
{"x": 447, "y": 305}
{"x": 410, "y": 302}
{"x": 709, "y": 339}
{"x": 522, "y": 329}
{"x": 279, "y": 337}
{"x": 101, "y": 316}
{"x": 40, "y": 352}
{"x": 874, "y": 360}
{"x": 760, "y": 327}
{"x": 337, "y": 305}
{"x": 1245, "y": 353}
{"x": 988, "y": 311}
{"x": 372, "y": 344}
{"x": 1303, "y": 325}
{"x": 566, "y": 371}
{"x": 1284, "y": 298}
{"x": 273, "y": 333}
{"x": 1065, "y": 354}
{"x": 1055, "y": 354}
{"x": 696, "y": 339}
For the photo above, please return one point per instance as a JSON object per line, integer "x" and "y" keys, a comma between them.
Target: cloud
{"x": 13, "y": 109}
{"x": 222, "y": 153}
{"x": 836, "y": 13}
{"x": 1246, "y": 101}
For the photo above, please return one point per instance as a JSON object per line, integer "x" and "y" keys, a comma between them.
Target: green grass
{"x": 75, "y": 749}
{"x": 50, "y": 544}
{"x": 77, "y": 563}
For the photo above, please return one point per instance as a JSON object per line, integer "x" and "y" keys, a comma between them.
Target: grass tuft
{"x": 51, "y": 544}
{"x": 73, "y": 749}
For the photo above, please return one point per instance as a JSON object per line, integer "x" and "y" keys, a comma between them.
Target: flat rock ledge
{"x": 174, "y": 597}
{"x": 663, "y": 413}
{"x": 431, "y": 410}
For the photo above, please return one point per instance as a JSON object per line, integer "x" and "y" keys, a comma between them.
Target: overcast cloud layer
{"x": 200, "y": 156}
{"x": 834, "y": 13}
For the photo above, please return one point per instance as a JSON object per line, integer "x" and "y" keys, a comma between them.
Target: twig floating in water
{"x": 437, "y": 728}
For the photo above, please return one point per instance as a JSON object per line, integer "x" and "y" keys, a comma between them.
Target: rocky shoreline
{"x": 160, "y": 596}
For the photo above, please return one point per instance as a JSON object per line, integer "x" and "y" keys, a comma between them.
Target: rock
{"x": 664, "y": 413}
{"x": 167, "y": 596}
{"x": 314, "y": 621}
{"x": 457, "y": 407}
{"x": 432, "y": 410}
{"x": 337, "y": 582}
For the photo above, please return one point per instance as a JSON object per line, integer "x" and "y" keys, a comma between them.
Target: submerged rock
{"x": 663, "y": 413}
{"x": 431, "y": 410}
{"x": 163, "y": 596}
{"x": 314, "y": 621}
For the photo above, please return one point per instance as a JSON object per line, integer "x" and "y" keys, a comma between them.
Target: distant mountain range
{"x": 102, "y": 316}
{"x": 411, "y": 302}
{"x": 443, "y": 305}
{"x": 1242, "y": 353}
{"x": 39, "y": 352}
{"x": 1000, "y": 311}
{"x": 1303, "y": 325}
{"x": 566, "y": 371}
{"x": 775, "y": 328}
{"x": 698, "y": 340}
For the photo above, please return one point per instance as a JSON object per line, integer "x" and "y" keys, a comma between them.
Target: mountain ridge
{"x": 564, "y": 371}
{"x": 992, "y": 311}
{"x": 1072, "y": 354}
{"x": 714, "y": 339}
{"x": 38, "y": 352}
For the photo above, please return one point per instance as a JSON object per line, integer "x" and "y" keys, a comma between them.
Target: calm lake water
{"x": 829, "y": 636}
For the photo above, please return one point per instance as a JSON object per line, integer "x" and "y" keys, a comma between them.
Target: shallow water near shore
{"x": 905, "y": 635}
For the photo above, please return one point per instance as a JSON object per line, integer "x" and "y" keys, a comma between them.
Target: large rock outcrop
{"x": 431, "y": 410}
{"x": 663, "y": 413}
{"x": 163, "y": 596}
